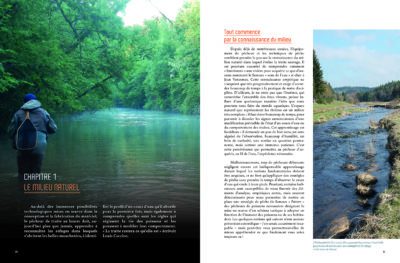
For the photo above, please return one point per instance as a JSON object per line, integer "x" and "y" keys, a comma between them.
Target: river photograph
{"x": 355, "y": 134}
{"x": 100, "y": 125}
{"x": 116, "y": 156}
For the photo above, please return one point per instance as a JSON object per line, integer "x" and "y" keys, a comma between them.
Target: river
{"x": 342, "y": 141}
{"x": 118, "y": 156}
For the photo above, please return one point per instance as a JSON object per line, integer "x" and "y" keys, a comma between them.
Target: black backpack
{"x": 26, "y": 137}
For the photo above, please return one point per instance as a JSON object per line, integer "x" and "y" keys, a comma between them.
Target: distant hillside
{"x": 385, "y": 92}
{"x": 348, "y": 90}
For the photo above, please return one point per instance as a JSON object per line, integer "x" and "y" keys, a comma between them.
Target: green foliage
{"x": 166, "y": 71}
{"x": 186, "y": 92}
{"x": 7, "y": 81}
{"x": 77, "y": 55}
{"x": 327, "y": 95}
{"x": 385, "y": 92}
{"x": 61, "y": 50}
{"x": 318, "y": 81}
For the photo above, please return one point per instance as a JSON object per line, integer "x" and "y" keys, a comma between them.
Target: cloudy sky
{"x": 358, "y": 57}
{"x": 139, "y": 10}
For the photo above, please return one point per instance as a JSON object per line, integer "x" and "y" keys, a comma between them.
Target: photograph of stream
{"x": 356, "y": 149}
{"x": 338, "y": 143}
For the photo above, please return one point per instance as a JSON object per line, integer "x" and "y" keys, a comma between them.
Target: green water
{"x": 118, "y": 156}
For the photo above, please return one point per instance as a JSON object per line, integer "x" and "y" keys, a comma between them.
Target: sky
{"x": 358, "y": 57}
{"x": 139, "y": 10}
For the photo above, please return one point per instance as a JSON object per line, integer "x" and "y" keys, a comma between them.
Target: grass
{"x": 334, "y": 110}
{"x": 385, "y": 222}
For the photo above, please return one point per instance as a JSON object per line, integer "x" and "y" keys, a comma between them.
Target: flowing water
{"x": 117, "y": 156}
{"x": 342, "y": 141}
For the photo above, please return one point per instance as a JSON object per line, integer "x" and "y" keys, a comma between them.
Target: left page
{"x": 100, "y": 127}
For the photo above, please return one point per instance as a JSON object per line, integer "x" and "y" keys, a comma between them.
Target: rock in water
{"x": 339, "y": 227}
{"x": 366, "y": 179}
{"x": 373, "y": 125}
{"x": 363, "y": 202}
{"x": 350, "y": 167}
{"x": 365, "y": 190}
{"x": 372, "y": 167}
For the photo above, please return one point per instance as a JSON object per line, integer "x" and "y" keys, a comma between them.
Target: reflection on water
{"x": 117, "y": 156}
{"x": 346, "y": 140}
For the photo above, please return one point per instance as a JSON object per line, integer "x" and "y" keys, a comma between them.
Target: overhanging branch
{"x": 98, "y": 84}
{"x": 169, "y": 20}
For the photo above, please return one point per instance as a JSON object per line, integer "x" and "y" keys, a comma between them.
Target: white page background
{"x": 295, "y": 19}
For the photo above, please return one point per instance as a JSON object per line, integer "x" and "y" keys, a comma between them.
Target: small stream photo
{"x": 356, "y": 91}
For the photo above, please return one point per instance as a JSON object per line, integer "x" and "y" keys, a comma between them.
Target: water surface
{"x": 120, "y": 156}
{"x": 341, "y": 141}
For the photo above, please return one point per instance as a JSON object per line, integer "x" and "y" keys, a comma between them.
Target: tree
{"x": 68, "y": 52}
{"x": 77, "y": 56}
{"x": 318, "y": 85}
{"x": 166, "y": 69}
{"x": 327, "y": 95}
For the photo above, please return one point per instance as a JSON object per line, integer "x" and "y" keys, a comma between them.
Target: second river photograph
{"x": 356, "y": 94}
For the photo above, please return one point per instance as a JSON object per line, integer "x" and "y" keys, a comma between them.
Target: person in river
{"x": 30, "y": 160}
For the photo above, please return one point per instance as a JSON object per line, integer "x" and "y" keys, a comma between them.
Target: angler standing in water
{"x": 29, "y": 129}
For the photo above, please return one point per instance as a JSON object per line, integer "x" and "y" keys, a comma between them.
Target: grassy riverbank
{"x": 385, "y": 222}
{"x": 336, "y": 109}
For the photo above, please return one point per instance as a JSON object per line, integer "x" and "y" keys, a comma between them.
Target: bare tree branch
{"x": 79, "y": 37}
{"x": 67, "y": 19}
{"x": 169, "y": 20}
{"x": 96, "y": 85}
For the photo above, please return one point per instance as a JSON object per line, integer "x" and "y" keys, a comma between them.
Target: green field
{"x": 336, "y": 109}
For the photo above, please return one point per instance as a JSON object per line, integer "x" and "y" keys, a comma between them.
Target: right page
{"x": 299, "y": 131}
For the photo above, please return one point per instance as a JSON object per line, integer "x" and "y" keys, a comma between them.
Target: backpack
{"x": 26, "y": 136}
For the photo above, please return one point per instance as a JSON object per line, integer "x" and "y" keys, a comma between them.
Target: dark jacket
{"x": 39, "y": 117}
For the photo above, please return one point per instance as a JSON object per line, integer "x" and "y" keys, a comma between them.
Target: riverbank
{"x": 337, "y": 109}
{"x": 384, "y": 223}
{"x": 393, "y": 104}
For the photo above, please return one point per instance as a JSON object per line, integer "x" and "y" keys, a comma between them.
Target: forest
{"x": 351, "y": 89}
{"x": 385, "y": 92}
{"x": 324, "y": 93}
{"x": 78, "y": 55}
